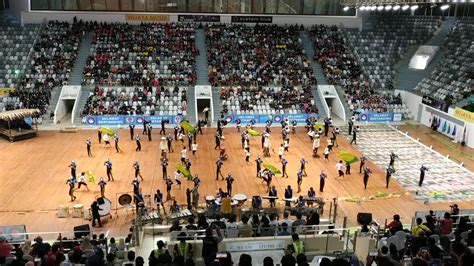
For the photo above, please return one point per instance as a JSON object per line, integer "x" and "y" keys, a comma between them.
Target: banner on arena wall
{"x": 4, "y": 91}
{"x": 435, "y": 103}
{"x": 380, "y": 117}
{"x": 147, "y": 17}
{"x": 276, "y": 118}
{"x": 124, "y": 120}
{"x": 251, "y": 19}
{"x": 199, "y": 18}
{"x": 464, "y": 115}
{"x": 14, "y": 233}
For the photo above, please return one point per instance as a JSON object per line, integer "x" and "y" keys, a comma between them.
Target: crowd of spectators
{"x": 447, "y": 240}
{"x": 52, "y": 59}
{"x": 340, "y": 68}
{"x": 268, "y": 99}
{"x": 64, "y": 251}
{"x": 136, "y": 101}
{"x": 149, "y": 54}
{"x": 262, "y": 55}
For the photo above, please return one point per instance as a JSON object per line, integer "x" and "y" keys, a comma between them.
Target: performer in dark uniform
{"x": 322, "y": 180}
{"x": 199, "y": 126}
{"x": 272, "y": 193}
{"x": 136, "y": 165}
{"x": 423, "y": 169}
{"x": 163, "y": 129}
{"x": 102, "y": 185}
{"x": 159, "y": 201}
{"x": 362, "y": 163}
{"x": 164, "y": 167}
{"x": 131, "y": 126}
{"x": 139, "y": 145}
{"x": 73, "y": 167}
{"x": 148, "y": 130}
{"x": 116, "y": 140}
{"x": 169, "y": 139}
{"x": 229, "y": 180}
{"x": 284, "y": 162}
{"x": 190, "y": 140}
{"x": 326, "y": 126}
{"x": 176, "y": 131}
{"x": 219, "y": 164}
{"x": 367, "y": 172}
{"x": 145, "y": 131}
{"x": 136, "y": 186}
{"x": 303, "y": 166}
{"x": 95, "y": 213}
{"x": 218, "y": 141}
{"x": 259, "y": 165}
{"x": 393, "y": 156}
{"x": 169, "y": 185}
{"x": 108, "y": 166}
{"x": 354, "y": 135}
{"x": 390, "y": 171}
{"x": 288, "y": 196}
{"x": 299, "y": 175}
{"x": 351, "y": 124}
{"x": 72, "y": 183}
{"x": 99, "y": 135}
{"x": 88, "y": 145}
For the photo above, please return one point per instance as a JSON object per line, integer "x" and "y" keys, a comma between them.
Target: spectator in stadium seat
{"x": 288, "y": 259}
{"x": 268, "y": 261}
{"x": 395, "y": 225}
{"x": 160, "y": 255}
{"x": 183, "y": 249}
{"x": 245, "y": 260}
{"x": 446, "y": 224}
{"x": 284, "y": 230}
{"x": 420, "y": 227}
{"x": 245, "y": 229}
{"x": 40, "y": 249}
{"x": 5, "y": 249}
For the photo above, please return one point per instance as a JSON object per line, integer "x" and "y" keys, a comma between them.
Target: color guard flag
{"x": 91, "y": 176}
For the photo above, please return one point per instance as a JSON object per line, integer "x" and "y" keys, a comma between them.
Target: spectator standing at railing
{"x": 183, "y": 249}
{"x": 420, "y": 227}
{"x": 209, "y": 244}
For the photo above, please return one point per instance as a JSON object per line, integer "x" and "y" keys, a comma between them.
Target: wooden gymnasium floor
{"x": 33, "y": 175}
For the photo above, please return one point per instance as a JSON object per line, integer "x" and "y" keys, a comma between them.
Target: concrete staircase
{"x": 83, "y": 53}
{"x": 52, "y": 105}
{"x": 216, "y": 105}
{"x": 407, "y": 78}
{"x": 191, "y": 116}
{"x": 318, "y": 73}
{"x": 201, "y": 60}
{"x": 341, "y": 94}
{"x": 81, "y": 104}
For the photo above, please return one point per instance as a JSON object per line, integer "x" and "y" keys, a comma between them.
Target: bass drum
{"x": 105, "y": 205}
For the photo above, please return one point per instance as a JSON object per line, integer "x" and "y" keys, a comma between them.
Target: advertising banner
{"x": 198, "y": 18}
{"x": 380, "y": 117}
{"x": 251, "y": 19}
{"x": 14, "y": 233}
{"x": 147, "y": 17}
{"x": 464, "y": 115}
{"x": 124, "y": 120}
{"x": 276, "y": 118}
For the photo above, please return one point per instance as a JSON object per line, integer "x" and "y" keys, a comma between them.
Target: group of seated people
{"x": 262, "y": 55}
{"x": 448, "y": 240}
{"x": 137, "y": 101}
{"x": 149, "y": 54}
{"x": 341, "y": 68}
{"x": 53, "y": 57}
{"x": 252, "y": 98}
{"x": 250, "y": 225}
{"x": 64, "y": 251}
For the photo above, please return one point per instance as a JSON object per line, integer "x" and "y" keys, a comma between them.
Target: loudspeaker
{"x": 364, "y": 218}
{"x": 82, "y": 230}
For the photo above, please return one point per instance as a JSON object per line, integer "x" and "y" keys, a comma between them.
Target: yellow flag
{"x": 91, "y": 177}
